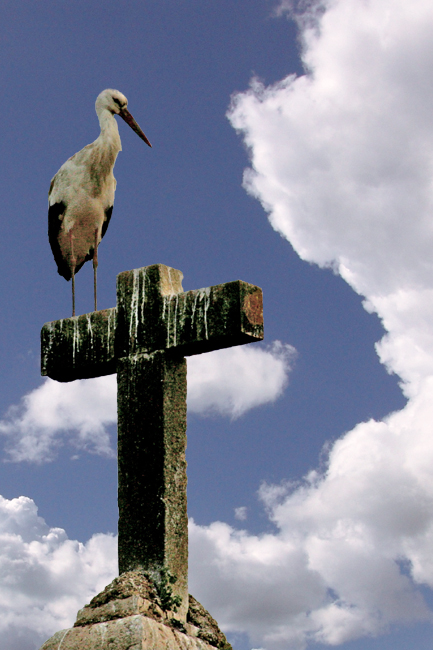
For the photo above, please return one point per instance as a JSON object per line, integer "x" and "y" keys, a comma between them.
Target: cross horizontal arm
{"x": 79, "y": 347}
{"x": 217, "y": 317}
{"x": 153, "y": 313}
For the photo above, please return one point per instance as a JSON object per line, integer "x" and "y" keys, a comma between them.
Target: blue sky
{"x": 309, "y": 504}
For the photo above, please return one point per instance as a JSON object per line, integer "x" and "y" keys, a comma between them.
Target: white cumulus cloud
{"x": 342, "y": 162}
{"x": 228, "y": 382}
{"x": 235, "y": 380}
{"x": 351, "y": 548}
{"x": 45, "y": 578}
{"x": 80, "y": 410}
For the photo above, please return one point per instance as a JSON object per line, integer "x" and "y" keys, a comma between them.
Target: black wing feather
{"x": 108, "y": 213}
{"x": 55, "y": 213}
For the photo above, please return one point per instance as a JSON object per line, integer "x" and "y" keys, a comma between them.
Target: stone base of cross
{"x": 145, "y": 339}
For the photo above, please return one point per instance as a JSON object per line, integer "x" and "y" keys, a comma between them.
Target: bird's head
{"x": 111, "y": 100}
{"x": 116, "y": 103}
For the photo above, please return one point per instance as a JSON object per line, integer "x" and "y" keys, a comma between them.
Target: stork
{"x": 81, "y": 194}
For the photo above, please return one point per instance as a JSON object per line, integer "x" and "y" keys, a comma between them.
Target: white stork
{"x": 81, "y": 194}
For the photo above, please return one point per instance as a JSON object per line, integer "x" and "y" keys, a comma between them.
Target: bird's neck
{"x": 109, "y": 137}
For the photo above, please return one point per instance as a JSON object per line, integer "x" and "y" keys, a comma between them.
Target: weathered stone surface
{"x": 207, "y": 626}
{"x": 153, "y": 313}
{"x": 129, "y": 594}
{"x": 130, "y": 633}
{"x": 79, "y": 347}
{"x": 128, "y": 615}
{"x": 131, "y": 583}
{"x": 192, "y": 322}
{"x": 140, "y": 297}
{"x": 153, "y": 523}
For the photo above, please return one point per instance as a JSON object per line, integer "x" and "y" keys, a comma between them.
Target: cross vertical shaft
{"x": 153, "y": 524}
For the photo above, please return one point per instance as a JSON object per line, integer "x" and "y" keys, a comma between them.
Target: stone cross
{"x": 145, "y": 339}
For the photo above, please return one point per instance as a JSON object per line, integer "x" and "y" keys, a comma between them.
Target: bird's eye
{"x": 117, "y": 101}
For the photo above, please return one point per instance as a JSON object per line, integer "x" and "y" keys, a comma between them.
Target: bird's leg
{"x": 73, "y": 264}
{"x": 73, "y": 292}
{"x": 95, "y": 265}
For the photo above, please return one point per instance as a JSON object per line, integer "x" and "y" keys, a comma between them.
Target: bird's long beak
{"x": 126, "y": 115}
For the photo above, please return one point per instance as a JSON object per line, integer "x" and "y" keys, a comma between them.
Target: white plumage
{"x": 81, "y": 194}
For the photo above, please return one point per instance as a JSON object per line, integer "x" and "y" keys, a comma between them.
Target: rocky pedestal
{"x": 132, "y": 613}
